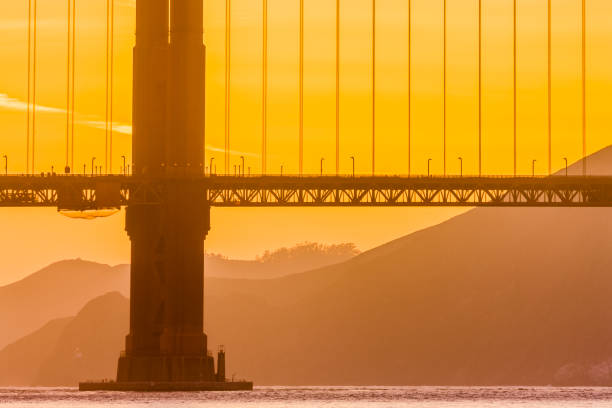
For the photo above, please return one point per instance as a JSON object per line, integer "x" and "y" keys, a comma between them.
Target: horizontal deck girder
{"x": 97, "y": 192}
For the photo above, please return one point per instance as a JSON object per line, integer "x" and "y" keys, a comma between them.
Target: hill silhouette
{"x": 63, "y": 288}
{"x": 20, "y": 362}
{"x": 88, "y": 346}
{"x": 281, "y": 262}
{"x": 59, "y": 290}
{"x": 67, "y": 350}
{"x": 491, "y": 297}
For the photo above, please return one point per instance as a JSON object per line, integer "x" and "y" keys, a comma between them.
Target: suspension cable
{"x": 549, "y": 87}
{"x": 514, "y": 73}
{"x": 480, "y": 87}
{"x": 445, "y": 68}
{"x": 34, "y": 58}
{"x": 264, "y": 119}
{"x": 373, "y": 88}
{"x": 68, "y": 39}
{"x": 29, "y": 85}
{"x": 409, "y": 86}
{"x": 107, "y": 83}
{"x": 112, "y": 77}
{"x": 584, "y": 102}
{"x": 228, "y": 21}
{"x": 337, "y": 80}
{"x": 301, "y": 97}
{"x": 73, "y": 82}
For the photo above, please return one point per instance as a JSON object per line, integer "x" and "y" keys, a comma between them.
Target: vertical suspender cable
{"x": 264, "y": 119}
{"x": 584, "y": 106}
{"x": 106, "y": 89}
{"x": 34, "y": 85}
{"x": 409, "y": 86}
{"x": 549, "y": 87}
{"x": 337, "y": 81}
{"x": 228, "y": 7}
{"x": 107, "y": 78}
{"x": 373, "y": 87}
{"x": 29, "y": 85}
{"x": 112, "y": 66}
{"x": 514, "y": 101}
{"x": 73, "y": 81}
{"x": 68, "y": 23}
{"x": 480, "y": 87}
{"x": 301, "y": 136}
{"x": 445, "y": 67}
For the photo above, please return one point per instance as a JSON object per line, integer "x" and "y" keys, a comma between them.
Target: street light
{"x": 281, "y": 170}
{"x": 428, "y": 167}
{"x": 566, "y": 165}
{"x": 93, "y": 160}
{"x": 123, "y": 157}
{"x": 242, "y": 158}
{"x": 322, "y": 160}
{"x": 533, "y": 167}
{"x": 211, "y": 165}
{"x": 5, "y": 165}
{"x": 461, "y": 166}
{"x": 353, "y": 159}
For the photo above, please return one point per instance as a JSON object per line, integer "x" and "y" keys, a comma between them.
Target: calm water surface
{"x": 307, "y": 397}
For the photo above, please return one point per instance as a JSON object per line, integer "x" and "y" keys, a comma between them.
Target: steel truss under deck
{"x": 90, "y": 193}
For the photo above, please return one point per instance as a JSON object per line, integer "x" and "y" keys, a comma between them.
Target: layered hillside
{"x": 59, "y": 290}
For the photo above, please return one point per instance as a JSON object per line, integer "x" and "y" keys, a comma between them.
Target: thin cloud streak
{"x": 9, "y": 103}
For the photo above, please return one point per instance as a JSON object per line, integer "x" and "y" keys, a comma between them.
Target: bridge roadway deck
{"x": 80, "y": 193}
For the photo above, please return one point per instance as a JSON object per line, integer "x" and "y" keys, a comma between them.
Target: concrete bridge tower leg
{"x": 166, "y": 342}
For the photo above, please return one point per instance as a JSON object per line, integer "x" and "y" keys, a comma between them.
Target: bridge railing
{"x": 82, "y": 193}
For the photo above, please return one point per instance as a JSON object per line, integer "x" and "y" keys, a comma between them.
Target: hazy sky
{"x": 245, "y": 233}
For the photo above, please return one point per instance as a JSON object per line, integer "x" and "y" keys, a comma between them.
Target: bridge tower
{"x": 166, "y": 342}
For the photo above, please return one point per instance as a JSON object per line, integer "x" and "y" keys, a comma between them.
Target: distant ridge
{"x": 59, "y": 290}
{"x": 20, "y": 362}
{"x": 63, "y": 288}
{"x": 281, "y": 262}
{"x": 67, "y": 350}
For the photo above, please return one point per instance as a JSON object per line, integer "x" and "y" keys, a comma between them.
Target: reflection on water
{"x": 302, "y": 397}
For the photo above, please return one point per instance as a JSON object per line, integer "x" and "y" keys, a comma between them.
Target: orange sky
{"x": 239, "y": 232}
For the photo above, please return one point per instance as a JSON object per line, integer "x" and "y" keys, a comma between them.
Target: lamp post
{"x": 211, "y": 165}
{"x": 566, "y": 165}
{"x": 428, "y": 167}
{"x": 93, "y": 160}
{"x": 5, "y": 165}
{"x": 242, "y": 158}
{"x": 461, "y": 166}
{"x": 123, "y": 157}
{"x": 533, "y": 168}
{"x": 353, "y": 159}
{"x": 322, "y": 160}
{"x": 281, "y": 170}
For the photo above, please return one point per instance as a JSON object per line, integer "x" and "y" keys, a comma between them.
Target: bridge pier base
{"x": 166, "y": 369}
